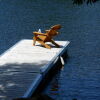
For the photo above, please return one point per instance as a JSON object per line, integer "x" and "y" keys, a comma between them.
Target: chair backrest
{"x": 53, "y": 30}
{"x": 56, "y": 27}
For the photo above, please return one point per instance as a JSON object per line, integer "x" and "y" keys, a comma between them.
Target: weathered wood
{"x": 21, "y": 67}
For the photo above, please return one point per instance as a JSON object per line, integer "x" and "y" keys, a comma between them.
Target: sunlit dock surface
{"x": 22, "y": 66}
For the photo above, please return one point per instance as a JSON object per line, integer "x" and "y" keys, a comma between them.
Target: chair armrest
{"x": 38, "y": 33}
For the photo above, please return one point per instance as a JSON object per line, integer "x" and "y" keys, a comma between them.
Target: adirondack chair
{"x": 42, "y": 38}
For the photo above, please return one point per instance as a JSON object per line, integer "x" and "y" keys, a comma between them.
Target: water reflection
{"x": 53, "y": 88}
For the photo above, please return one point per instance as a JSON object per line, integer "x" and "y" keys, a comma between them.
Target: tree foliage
{"x": 82, "y": 1}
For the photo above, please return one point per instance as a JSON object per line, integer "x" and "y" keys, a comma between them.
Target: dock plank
{"x": 21, "y": 65}
{"x": 14, "y": 84}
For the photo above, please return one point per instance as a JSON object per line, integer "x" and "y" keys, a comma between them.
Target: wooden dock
{"x": 22, "y": 67}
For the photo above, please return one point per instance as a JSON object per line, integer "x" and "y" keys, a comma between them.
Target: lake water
{"x": 80, "y": 77}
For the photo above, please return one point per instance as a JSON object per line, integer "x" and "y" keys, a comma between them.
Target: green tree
{"x": 84, "y": 1}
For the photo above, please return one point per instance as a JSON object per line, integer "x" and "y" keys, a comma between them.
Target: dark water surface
{"x": 80, "y": 77}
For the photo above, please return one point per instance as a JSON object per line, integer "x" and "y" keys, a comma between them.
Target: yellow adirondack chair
{"x": 42, "y": 38}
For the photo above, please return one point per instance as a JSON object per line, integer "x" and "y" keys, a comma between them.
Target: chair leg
{"x": 43, "y": 44}
{"x": 53, "y": 42}
{"x": 34, "y": 40}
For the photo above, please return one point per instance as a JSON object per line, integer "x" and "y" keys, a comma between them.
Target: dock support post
{"x": 62, "y": 60}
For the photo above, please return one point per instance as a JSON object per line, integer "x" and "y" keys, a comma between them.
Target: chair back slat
{"x": 53, "y": 30}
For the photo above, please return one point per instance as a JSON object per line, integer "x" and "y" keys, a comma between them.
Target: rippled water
{"x": 80, "y": 77}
